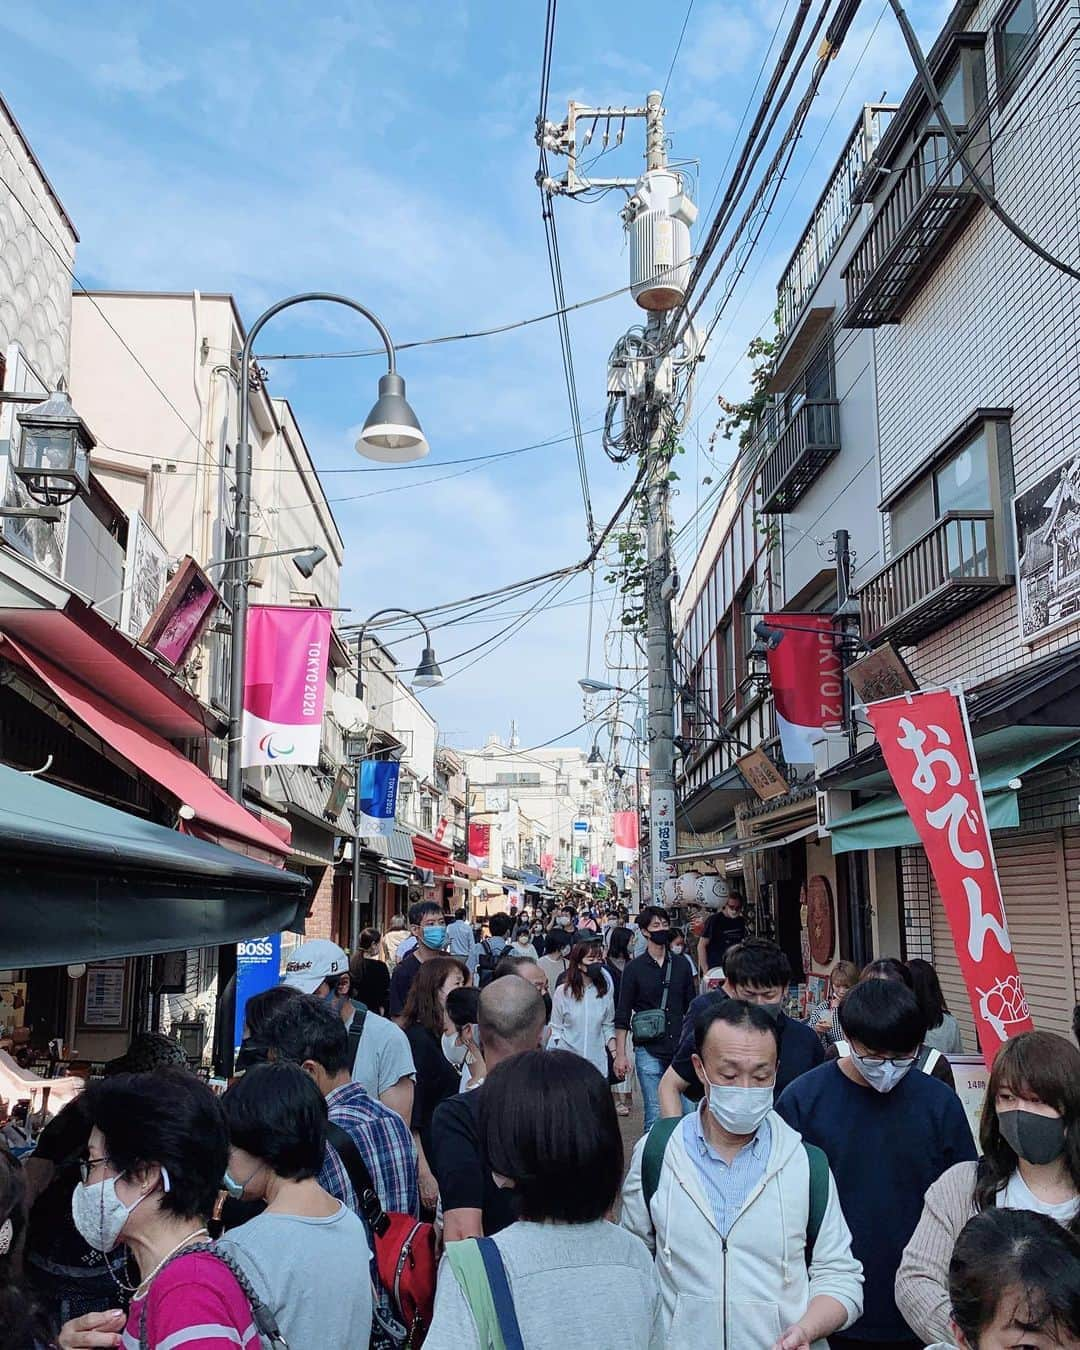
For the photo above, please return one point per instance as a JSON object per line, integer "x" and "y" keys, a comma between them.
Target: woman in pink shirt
{"x": 157, "y": 1155}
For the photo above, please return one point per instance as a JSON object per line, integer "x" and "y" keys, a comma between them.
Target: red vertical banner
{"x": 807, "y": 681}
{"x": 479, "y": 845}
{"x": 624, "y": 826}
{"x": 926, "y": 742}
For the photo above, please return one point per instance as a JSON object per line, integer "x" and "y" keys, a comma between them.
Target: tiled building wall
{"x": 35, "y": 286}
{"x": 995, "y": 326}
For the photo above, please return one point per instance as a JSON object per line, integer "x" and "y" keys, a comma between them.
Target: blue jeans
{"x": 649, "y": 1072}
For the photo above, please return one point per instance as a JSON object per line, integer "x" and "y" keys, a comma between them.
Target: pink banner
{"x": 284, "y": 684}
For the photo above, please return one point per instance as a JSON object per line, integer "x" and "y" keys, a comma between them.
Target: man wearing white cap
{"x": 383, "y": 1062}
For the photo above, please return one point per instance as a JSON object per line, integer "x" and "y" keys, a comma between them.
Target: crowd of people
{"x": 423, "y": 1144}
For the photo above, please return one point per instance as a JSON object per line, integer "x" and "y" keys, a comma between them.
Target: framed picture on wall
{"x": 1046, "y": 518}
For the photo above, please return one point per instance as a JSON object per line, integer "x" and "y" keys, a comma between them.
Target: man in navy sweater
{"x": 889, "y": 1131}
{"x": 756, "y": 971}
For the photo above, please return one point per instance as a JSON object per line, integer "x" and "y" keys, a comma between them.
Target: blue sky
{"x": 384, "y": 149}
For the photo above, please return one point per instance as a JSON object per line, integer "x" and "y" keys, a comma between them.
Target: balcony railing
{"x": 800, "y": 453}
{"x": 910, "y": 231}
{"x": 953, "y": 566}
{"x": 831, "y": 215}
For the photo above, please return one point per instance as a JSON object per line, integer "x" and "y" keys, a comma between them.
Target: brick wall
{"x": 320, "y": 921}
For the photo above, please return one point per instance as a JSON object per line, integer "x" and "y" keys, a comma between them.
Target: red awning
{"x": 429, "y": 854}
{"x": 156, "y": 758}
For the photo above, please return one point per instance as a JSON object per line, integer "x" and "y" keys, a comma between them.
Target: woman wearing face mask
{"x": 678, "y": 949}
{"x": 303, "y": 1253}
{"x": 157, "y": 1153}
{"x": 1014, "y": 1284}
{"x": 425, "y": 1023}
{"x": 462, "y": 1045}
{"x": 523, "y": 943}
{"x": 1030, "y": 1141}
{"x": 583, "y": 1007}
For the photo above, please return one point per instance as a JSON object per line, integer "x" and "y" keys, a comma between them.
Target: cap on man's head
{"x": 313, "y": 962}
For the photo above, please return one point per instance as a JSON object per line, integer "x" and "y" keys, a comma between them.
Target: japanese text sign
{"x": 926, "y": 743}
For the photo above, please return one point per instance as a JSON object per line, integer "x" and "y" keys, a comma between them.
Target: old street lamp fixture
{"x": 595, "y": 757}
{"x": 428, "y": 673}
{"x": 757, "y": 664}
{"x": 391, "y": 432}
{"x": 52, "y": 458}
{"x": 306, "y": 562}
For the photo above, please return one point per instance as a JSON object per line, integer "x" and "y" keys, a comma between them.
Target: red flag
{"x": 479, "y": 845}
{"x": 807, "y": 682}
{"x": 547, "y": 863}
{"x": 624, "y": 825}
{"x": 927, "y": 747}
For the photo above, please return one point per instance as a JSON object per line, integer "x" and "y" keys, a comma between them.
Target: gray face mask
{"x": 1037, "y": 1139}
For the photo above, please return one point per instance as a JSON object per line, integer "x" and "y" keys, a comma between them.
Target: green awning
{"x": 83, "y": 881}
{"x": 884, "y": 822}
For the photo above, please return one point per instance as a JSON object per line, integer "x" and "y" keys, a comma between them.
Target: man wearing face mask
{"x": 889, "y": 1134}
{"x": 428, "y": 926}
{"x": 653, "y": 998}
{"x": 752, "y": 1250}
{"x": 757, "y": 971}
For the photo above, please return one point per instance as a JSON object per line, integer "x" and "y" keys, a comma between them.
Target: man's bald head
{"x": 511, "y": 1017}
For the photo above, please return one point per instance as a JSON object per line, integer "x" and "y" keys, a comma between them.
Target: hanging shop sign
{"x": 880, "y": 674}
{"x": 624, "y": 826}
{"x": 182, "y": 614}
{"x": 807, "y": 683}
{"x": 284, "y": 684}
{"x": 1047, "y": 522}
{"x": 662, "y": 824}
{"x": 926, "y": 741}
{"x": 378, "y": 797}
{"x": 762, "y": 775}
{"x": 479, "y": 845}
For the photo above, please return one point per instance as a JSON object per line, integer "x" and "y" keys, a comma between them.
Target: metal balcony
{"x": 952, "y": 567}
{"x": 800, "y": 453}
{"x": 910, "y": 232}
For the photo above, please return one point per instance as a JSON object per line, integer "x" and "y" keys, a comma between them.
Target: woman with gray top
{"x": 306, "y": 1255}
{"x": 1030, "y": 1140}
{"x": 549, "y": 1129}
{"x": 943, "y": 1030}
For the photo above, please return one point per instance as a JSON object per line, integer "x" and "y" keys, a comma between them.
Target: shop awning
{"x": 148, "y": 752}
{"x": 429, "y": 854}
{"x": 395, "y": 855}
{"x": 84, "y": 881}
{"x": 884, "y": 822}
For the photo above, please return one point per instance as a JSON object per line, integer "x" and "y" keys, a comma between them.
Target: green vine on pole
{"x": 630, "y": 572}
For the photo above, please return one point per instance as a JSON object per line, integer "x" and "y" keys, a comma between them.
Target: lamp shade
{"x": 595, "y": 757}
{"x": 392, "y": 432}
{"x": 306, "y": 563}
{"x": 428, "y": 674}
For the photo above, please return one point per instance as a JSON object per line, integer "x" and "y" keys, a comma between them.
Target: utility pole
{"x": 657, "y": 217}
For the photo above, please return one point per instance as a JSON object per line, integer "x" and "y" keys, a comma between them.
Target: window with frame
{"x": 725, "y": 656}
{"x": 814, "y": 383}
{"x": 959, "y": 483}
{"x": 1015, "y": 31}
{"x": 963, "y": 96}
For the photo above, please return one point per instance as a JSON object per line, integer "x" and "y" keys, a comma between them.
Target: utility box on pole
{"x": 658, "y": 218}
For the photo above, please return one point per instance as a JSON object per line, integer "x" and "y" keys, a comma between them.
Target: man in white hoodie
{"x": 752, "y": 1250}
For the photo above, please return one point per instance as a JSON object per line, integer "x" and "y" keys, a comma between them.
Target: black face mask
{"x": 661, "y": 937}
{"x": 1036, "y": 1139}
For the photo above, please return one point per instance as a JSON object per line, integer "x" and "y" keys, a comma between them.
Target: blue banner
{"x": 378, "y": 797}
{"x": 258, "y": 967}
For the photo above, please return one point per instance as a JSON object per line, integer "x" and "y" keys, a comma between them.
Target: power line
{"x": 678, "y": 48}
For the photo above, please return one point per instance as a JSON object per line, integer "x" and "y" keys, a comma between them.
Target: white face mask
{"x": 453, "y": 1050}
{"x": 740, "y": 1110}
{"x": 881, "y": 1077}
{"x": 100, "y": 1215}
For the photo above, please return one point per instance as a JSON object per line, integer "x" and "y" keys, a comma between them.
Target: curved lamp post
{"x": 427, "y": 675}
{"x": 391, "y": 434}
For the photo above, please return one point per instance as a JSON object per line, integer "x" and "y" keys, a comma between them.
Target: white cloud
{"x": 129, "y": 71}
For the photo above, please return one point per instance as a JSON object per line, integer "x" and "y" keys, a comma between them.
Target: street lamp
{"x": 428, "y": 674}
{"x": 772, "y": 636}
{"x": 52, "y": 453}
{"x": 391, "y": 433}
{"x": 305, "y": 560}
{"x": 595, "y": 757}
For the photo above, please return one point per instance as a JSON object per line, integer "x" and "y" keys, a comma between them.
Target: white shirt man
{"x": 735, "y": 1199}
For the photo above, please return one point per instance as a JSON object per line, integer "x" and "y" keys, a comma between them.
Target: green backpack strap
{"x": 652, "y": 1159}
{"x": 819, "y": 1196}
{"x": 467, "y": 1263}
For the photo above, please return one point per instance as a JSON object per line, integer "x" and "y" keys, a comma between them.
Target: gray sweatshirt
{"x": 614, "y": 1304}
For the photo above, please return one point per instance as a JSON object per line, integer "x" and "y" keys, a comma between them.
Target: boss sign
{"x": 924, "y": 738}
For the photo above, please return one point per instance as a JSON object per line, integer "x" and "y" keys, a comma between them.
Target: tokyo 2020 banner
{"x": 284, "y": 684}
{"x": 927, "y": 747}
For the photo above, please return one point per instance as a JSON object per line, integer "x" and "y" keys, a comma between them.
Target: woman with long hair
{"x": 1014, "y": 1280}
{"x": 1029, "y": 1136}
{"x": 425, "y": 1021}
{"x": 618, "y": 958}
{"x": 548, "y": 1132}
{"x": 943, "y": 1030}
{"x": 369, "y": 974}
{"x": 583, "y": 1007}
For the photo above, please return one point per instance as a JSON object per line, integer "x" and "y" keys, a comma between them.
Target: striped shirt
{"x": 383, "y": 1141}
{"x": 195, "y": 1301}
{"x": 727, "y": 1184}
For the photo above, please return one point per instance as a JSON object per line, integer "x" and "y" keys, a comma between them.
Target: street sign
{"x": 581, "y": 827}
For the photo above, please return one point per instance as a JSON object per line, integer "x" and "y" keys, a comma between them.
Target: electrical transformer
{"x": 658, "y": 219}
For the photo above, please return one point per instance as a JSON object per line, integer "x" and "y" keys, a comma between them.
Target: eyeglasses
{"x": 87, "y": 1165}
{"x": 897, "y": 1061}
